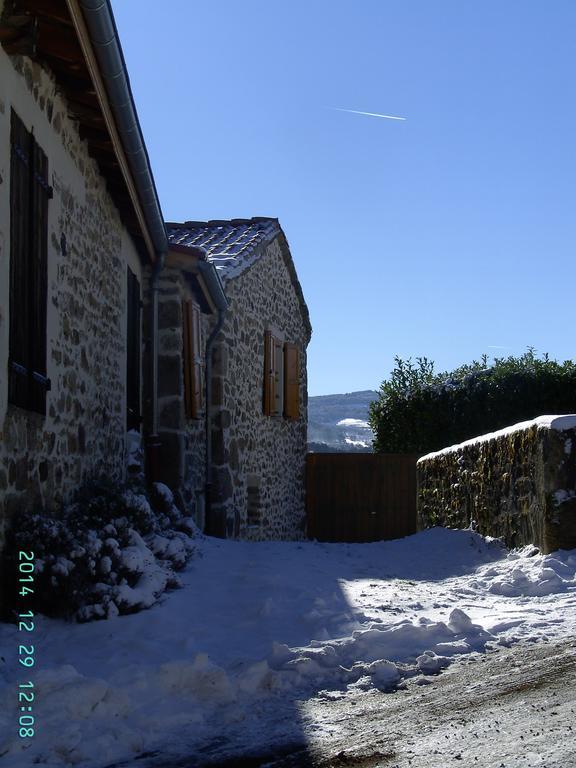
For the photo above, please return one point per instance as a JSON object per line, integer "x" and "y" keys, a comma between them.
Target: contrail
{"x": 370, "y": 114}
{"x": 497, "y": 346}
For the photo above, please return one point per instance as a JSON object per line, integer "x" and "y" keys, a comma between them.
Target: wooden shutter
{"x": 20, "y": 221}
{"x": 291, "y": 381}
{"x": 40, "y": 192}
{"x": 29, "y": 194}
{"x": 278, "y": 402}
{"x": 269, "y": 374}
{"x": 193, "y": 389}
{"x": 133, "y": 364}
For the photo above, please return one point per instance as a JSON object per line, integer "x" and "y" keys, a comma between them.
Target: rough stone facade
{"x": 183, "y": 440}
{"x": 258, "y": 461}
{"x": 43, "y": 459}
{"x": 519, "y": 484}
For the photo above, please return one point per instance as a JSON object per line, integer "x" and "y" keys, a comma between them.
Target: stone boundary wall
{"x": 518, "y": 484}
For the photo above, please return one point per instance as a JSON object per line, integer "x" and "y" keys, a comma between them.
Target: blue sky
{"x": 447, "y": 235}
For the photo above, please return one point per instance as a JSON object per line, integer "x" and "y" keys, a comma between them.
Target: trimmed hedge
{"x": 419, "y": 411}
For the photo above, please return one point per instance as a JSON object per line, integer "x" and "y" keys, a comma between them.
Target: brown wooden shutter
{"x": 133, "y": 352}
{"x": 193, "y": 389}
{"x": 291, "y": 381}
{"x": 269, "y": 374}
{"x": 29, "y": 194}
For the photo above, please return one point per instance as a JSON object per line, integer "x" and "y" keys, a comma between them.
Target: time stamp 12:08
{"x": 26, "y": 649}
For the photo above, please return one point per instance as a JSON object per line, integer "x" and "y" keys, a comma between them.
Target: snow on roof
{"x": 559, "y": 423}
{"x": 230, "y": 245}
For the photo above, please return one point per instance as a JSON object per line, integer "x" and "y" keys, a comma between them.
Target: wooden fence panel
{"x": 360, "y": 496}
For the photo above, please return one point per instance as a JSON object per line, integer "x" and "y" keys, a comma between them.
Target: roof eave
{"x": 98, "y": 38}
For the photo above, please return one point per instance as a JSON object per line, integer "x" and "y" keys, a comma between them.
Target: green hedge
{"x": 419, "y": 411}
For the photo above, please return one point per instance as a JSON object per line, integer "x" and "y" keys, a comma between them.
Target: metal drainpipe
{"x": 153, "y": 442}
{"x": 209, "y": 523}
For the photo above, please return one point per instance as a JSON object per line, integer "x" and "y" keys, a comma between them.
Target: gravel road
{"x": 512, "y": 708}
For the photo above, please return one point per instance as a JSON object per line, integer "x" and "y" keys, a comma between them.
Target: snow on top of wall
{"x": 559, "y": 423}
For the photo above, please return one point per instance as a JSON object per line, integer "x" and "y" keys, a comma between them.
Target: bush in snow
{"x": 419, "y": 411}
{"x": 114, "y": 549}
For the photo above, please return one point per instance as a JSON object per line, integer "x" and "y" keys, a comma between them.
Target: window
{"x": 193, "y": 401}
{"x": 29, "y": 195}
{"x": 133, "y": 352}
{"x": 281, "y": 378}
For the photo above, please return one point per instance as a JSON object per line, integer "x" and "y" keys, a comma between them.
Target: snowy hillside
{"x": 340, "y": 422}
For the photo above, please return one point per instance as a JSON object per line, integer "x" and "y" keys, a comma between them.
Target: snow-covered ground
{"x": 259, "y": 628}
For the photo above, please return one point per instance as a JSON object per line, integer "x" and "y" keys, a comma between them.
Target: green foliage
{"x": 419, "y": 411}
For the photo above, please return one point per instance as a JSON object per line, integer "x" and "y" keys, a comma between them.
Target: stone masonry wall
{"x": 43, "y": 459}
{"x": 258, "y": 461}
{"x": 183, "y": 440}
{"x": 519, "y": 484}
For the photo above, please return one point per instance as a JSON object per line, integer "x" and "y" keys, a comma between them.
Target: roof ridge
{"x": 223, "y": 222}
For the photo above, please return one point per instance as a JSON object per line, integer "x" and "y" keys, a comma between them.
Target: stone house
{"x": 110, "y": 332}
{"x": 233, "y": 386}
{"x": 81, "y": 240}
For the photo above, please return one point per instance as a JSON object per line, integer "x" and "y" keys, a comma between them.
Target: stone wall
{"x": 183, "y": 441}
{"x": 519, "y": 484}
{"x": 43, "y": 459}
{"x": 258, "y": 460}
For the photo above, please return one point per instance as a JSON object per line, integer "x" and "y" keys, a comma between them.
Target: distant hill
{"x": 340, "y": 422}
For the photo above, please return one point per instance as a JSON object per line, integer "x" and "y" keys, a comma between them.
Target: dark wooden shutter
{"x": 29, "y": 194}
{"x": 269, "y": 374}
{"x": 193, "y": 400}
{"x": 197, "y": 362}
{"x": 291, "y": 381}
{"x": 133, "y": 353}
{"x": 38, "y": 278}
{"x": 187, "y": 340}
{"x": 20, "y": 215}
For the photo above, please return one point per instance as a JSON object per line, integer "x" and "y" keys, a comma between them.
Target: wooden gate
{"x": 360, "y": 496}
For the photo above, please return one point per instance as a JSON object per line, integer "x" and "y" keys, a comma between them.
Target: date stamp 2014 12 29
{"x": 26, "y": 650}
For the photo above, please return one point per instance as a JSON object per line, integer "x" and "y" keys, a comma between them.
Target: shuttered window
{"x": 193, "y": 389}
{"x": 29, "y": 195}
{"x": 281, "y": 378}
{"x": 291, "y": 381}
{"x": 273, "y": 375}
{"x": 133, "y": 346}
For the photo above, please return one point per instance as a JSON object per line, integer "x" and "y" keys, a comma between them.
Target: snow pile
{"x": 260, "y": 626}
